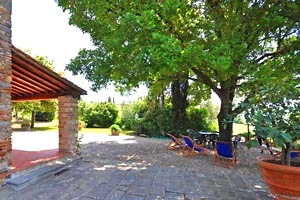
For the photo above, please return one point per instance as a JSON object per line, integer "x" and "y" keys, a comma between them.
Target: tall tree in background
{"x": 180, "y": 103}
{"x": 225, "y": 45}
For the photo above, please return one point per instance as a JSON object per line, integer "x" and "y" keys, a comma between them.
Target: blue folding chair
{"x": 295, "y": 154}
{"x": 175, "y": 142}
{"x": 224, "y": 154}
{"x": 191, "y": 147}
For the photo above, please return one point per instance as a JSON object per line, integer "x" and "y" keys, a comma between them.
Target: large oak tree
{"x": 225, "y": 44}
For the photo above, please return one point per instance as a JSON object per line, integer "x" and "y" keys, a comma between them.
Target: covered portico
{"x": 22, "y": 78}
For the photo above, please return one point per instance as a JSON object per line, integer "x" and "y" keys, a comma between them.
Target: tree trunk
{"x": 225, "y": 126}
{"x": 285, "y": 156}
{"x": 180, "y": 103}
{"x": 32, "y": 119}
{"x": 225, "y": 116}
{"x": 16, "y": 115}
{"x": 161, "y": 107}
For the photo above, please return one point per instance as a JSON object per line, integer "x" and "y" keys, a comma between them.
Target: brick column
{"x": 5, "y": 84}
{"x": 68, "y": 123}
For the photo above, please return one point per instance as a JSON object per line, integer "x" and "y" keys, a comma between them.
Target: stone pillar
{"x": 5, "y": 84}
{"x": 68, "y": 123}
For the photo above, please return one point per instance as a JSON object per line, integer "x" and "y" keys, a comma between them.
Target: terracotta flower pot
{"x": 283, "y": 181}
{"x": 116, "y": 133}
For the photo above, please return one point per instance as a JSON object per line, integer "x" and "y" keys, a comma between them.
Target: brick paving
{"x": 132, "y": 168}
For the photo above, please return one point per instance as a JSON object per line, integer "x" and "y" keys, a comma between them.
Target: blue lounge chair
{"x": 295, "y": 154}
{"x": 224, "y": 154}
{"x": 175, "y": 142}
{"x": 191, "y": 147}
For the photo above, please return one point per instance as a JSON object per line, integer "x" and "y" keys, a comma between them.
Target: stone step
{"x": 21, "y": 180}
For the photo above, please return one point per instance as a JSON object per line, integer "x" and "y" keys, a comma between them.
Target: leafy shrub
{"x": 44, "y": 116}
{"x": 198, "y": 118}
{"x": 239, "y": 120}
{"x": 129, "y": 116}
{"x": 115, "y": 127}
{"x": 148, "y": 118}
{"x": 98, "y": 114}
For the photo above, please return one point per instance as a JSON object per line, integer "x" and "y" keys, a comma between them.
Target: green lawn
{"x": 237, "y": 128}
{"x": 38, "y": 126}
{"x": 95, "y": 130}
{"x": 240, "y": 128}
{"x": 53, "y": 126}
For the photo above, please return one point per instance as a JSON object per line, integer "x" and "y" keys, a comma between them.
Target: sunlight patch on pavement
{"x": 102, "y": 138}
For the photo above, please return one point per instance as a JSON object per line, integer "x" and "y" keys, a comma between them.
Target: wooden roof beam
{"x": 38, "y": 77}
{"x": 22, "y": 83}
{"x": 45, "y": 96}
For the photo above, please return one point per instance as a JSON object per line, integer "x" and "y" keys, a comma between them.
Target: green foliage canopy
{"x": 226, "y": 45}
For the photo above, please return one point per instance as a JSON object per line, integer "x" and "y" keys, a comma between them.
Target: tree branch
{"x": 206, "y": 80}
{"x": 267, "y": 56}
{"x": 169, "y": 26}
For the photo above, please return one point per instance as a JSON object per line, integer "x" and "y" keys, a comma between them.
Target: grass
{"x": 237, "y": 128}
{"x": 38, "y": 126}
{"x": 95, "y": 130}
{"x": 241, "y": 128}
{"x": 53, "y": 126}
{"x": 50, "y": 129}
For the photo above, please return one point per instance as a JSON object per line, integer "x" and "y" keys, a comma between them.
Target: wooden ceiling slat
{"x": 47, "y": 73}
{"x": 33, "y": 81}
{"x": 15, "y": 91}
{"x": 27, "y": 86}
{"x": 40, "y": 68}
{"x": 20, "y": 88}
{"x": 39, "y": 79}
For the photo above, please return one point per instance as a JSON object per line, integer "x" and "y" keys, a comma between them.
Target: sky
{"x": 43, "y": 28}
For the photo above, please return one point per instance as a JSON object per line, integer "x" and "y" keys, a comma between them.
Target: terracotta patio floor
{"x": 33, "y": 148}
{"x": 25, "y": 159}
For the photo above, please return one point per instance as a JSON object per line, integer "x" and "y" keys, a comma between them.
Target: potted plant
{"x": 277, "y": 116}
{"x": 115, "y": 129}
